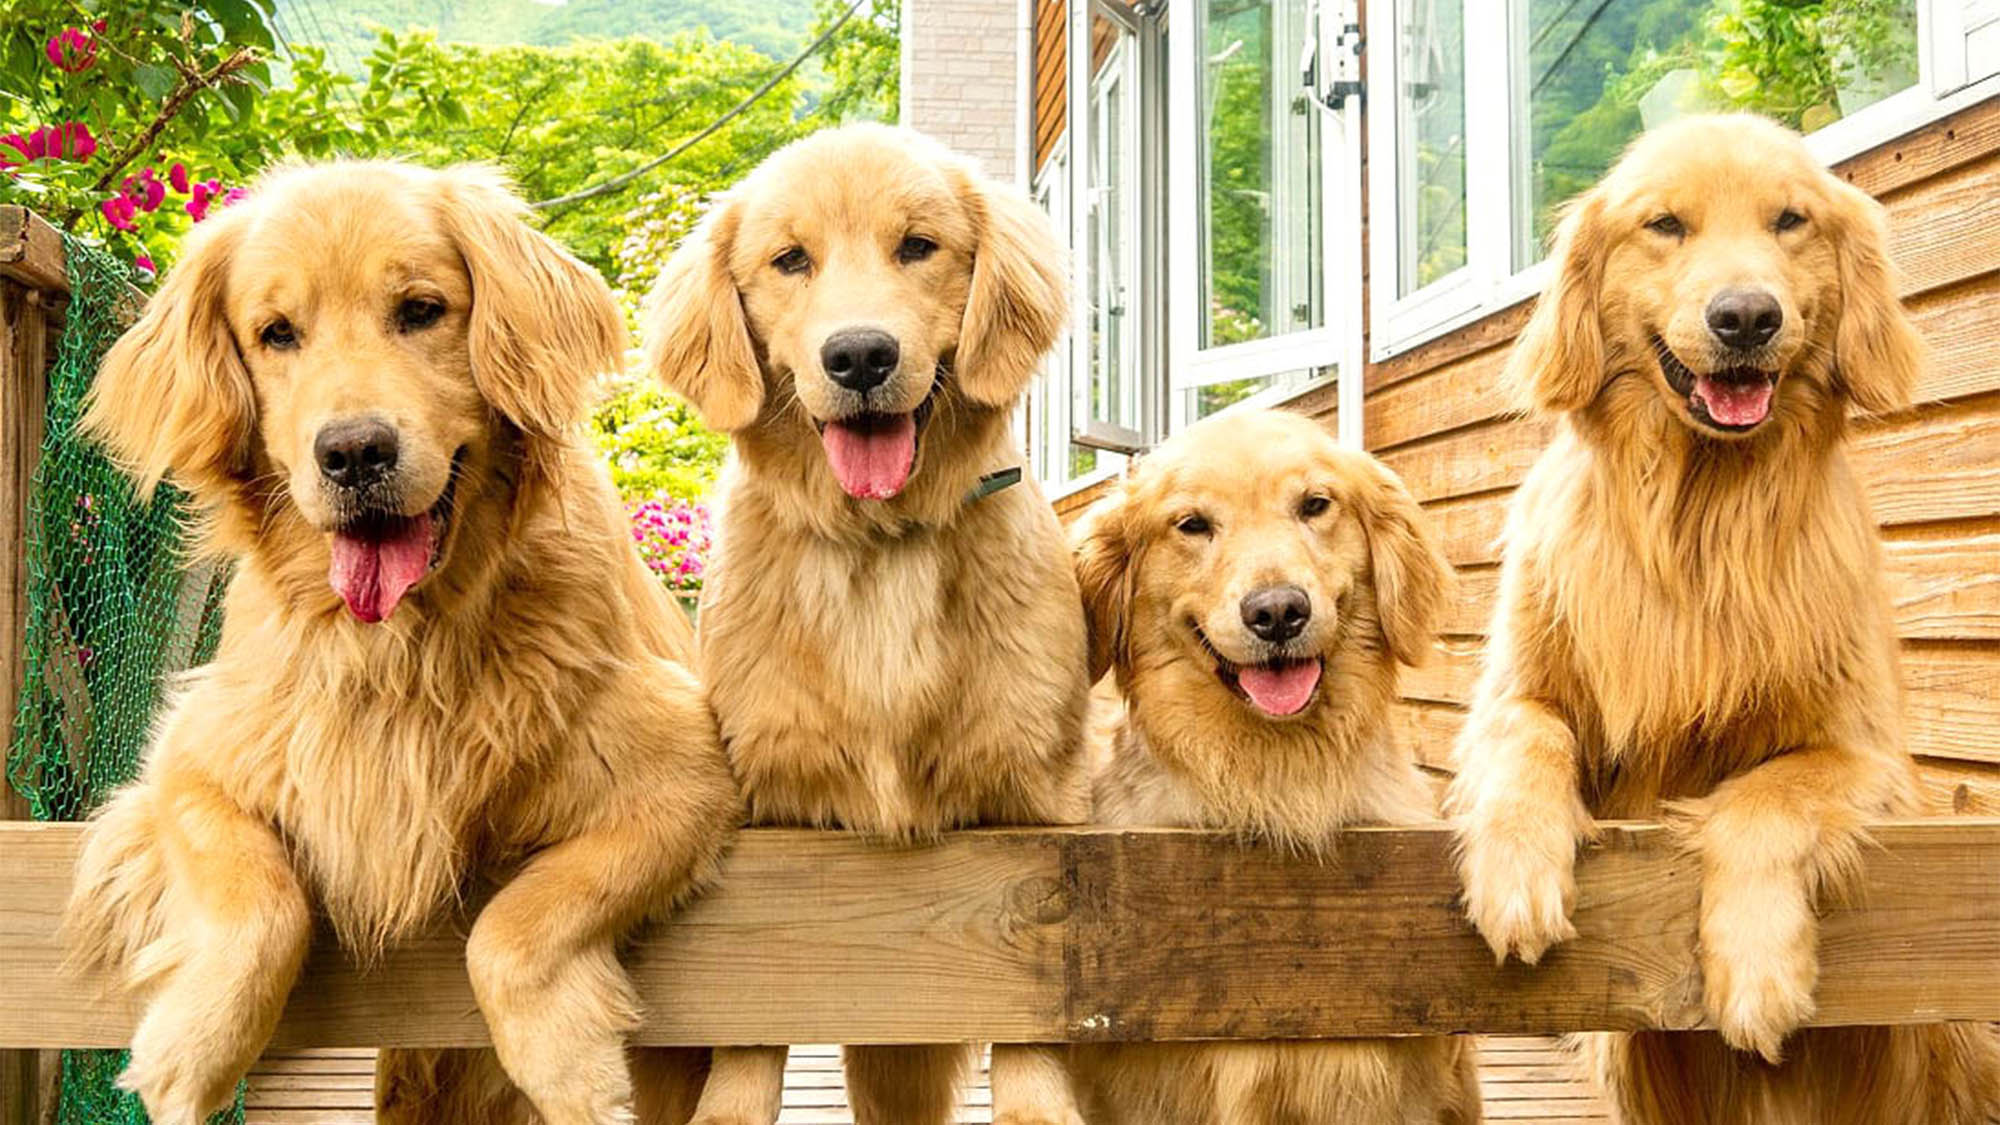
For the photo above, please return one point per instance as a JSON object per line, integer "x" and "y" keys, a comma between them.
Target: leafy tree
{"x": 864, "y": 66}
{"x": 655, "y": 445}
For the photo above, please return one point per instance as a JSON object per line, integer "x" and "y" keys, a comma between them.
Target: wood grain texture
{"x": 1097, "y": 935}
{"x": 31, "y": 252}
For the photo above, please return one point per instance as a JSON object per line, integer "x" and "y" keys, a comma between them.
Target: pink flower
{"x": 178, "y": 176}
{"x": 70, "y": 140}
{"x": 72, "y": 49}
{"x": 118, "y": 211}
{"x": 146, "y": 269}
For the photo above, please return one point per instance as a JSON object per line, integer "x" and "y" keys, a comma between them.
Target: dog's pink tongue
{"x": 1735, "y": 404}
{"x": 372, "y": 574}
{"x": 872, "y": 457}
{"x": 1280, "y": 689}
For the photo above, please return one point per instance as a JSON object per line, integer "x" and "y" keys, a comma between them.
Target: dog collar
{"x": 996, "y": 481}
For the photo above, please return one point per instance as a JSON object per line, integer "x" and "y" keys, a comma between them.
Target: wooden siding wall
{"x": 1437, "y": 416}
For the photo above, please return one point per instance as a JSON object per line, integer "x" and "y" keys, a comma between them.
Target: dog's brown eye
{"x": 795, "y": 260}
{"x": 1666, "y": 225}
{"x": 1789, "y": 219}
{"x": 915, "y": 248}
{"x": 1193, "y": 524}
{"x": 1313, "y": 507}
{"x": 417, "y": 313}
{"x": 279, "y": 336}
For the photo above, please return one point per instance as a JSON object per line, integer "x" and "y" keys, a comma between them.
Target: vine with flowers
{"x": 129, "y": 122}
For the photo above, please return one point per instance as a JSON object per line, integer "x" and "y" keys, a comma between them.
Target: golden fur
{"x": 524, "y": 720}
{"x": 1163, "y": 603}
{"x": 899, "y": 666}
{"x": 1694, "y": 623}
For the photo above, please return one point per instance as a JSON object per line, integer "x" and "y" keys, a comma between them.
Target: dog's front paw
{"x": 1519, "y": 897}
{"x": 1758, "y": 967}
{"x": 179, "y": 1084}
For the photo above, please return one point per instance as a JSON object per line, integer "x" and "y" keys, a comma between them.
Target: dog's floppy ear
{"x": 697, "y": 340}
{"x": 1103, "y": 556}
{"x": 1877, "y": 353}
{"x": 1019, "y": 298}
{"x": 1411, "y": 575}
{"x": 172, "y": 395}
{"x": 543, "y": 325}
{"x": 1558, "y": 360}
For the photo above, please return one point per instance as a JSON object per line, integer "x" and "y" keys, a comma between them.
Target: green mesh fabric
{"x": 114, "y": 610}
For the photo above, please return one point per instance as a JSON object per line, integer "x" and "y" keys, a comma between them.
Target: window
{"x": 1575, "y": 80}
{"x": 1113, "y": 403}
{"x": 1204, "y": 269}
{"x": 1257, "y": 187}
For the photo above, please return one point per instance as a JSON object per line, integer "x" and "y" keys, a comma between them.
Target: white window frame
{"x": 1194, "y": 366}
{"x": 1488, "y": 282}
{"x": 1120, "y": 76}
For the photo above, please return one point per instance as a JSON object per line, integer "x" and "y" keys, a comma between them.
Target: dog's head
{"x": 847, "y": 284}
{"x": 1254, "y": 563}
{"x": 366, "y": 348}
{"x": 1723, "y": 263}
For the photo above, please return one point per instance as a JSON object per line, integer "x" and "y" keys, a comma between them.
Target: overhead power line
{"x": 622, "y": 181}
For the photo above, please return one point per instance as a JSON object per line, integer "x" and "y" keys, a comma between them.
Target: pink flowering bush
{"x": 673, "y": 538}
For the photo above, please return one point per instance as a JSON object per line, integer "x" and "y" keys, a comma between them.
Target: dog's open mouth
{"x": 1279, "y": 687}
{"x": 1733, "y": 399}
{"x": 378, "y": 557}
{"x": 873, "y": 455}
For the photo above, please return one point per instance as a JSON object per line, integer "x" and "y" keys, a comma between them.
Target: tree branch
{"x": 192, "y": 82}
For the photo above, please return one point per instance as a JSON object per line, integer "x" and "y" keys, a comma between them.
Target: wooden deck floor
{"x": 1527, "y": 1082}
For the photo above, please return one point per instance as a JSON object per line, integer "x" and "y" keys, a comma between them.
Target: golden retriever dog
{"x": 442, "y": 667}
{"x": 1692, "y": 619}
{"x": 890, "y": 636}
{"x": 1254, "y": 585}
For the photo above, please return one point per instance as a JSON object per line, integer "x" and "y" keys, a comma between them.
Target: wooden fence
{"x": 1049, "y": 935}
{"x": 33, "y": 292}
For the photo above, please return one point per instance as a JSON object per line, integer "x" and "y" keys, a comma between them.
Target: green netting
{"x": 114, "y": 610}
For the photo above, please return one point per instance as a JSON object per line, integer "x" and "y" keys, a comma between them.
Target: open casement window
{"x": 1493, "y": 113}
{"x": 1114, "y": 409}
{"x": 1262, "y": 203}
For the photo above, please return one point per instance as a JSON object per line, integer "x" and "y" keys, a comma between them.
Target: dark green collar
{"x": 994, "y": 482}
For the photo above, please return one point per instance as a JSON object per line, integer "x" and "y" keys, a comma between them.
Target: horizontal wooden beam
{"x": 1092, "y": 935}
{"x": 31, "y": 251}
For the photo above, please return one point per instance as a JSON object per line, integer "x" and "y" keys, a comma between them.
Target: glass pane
{"x": 1430, "y": 142}
{"x": 1258, "y": 157}
{"x": 1592, "y": 75}
{"x": 1114, "y": 381}
{"x": 1205, "y": 400}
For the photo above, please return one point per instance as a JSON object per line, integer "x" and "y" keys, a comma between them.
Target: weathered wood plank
{"x": 1945, "y": 588}
{"x": 1970, "y": 133}
{"x": 31, "y": 252}
{"x": 1946, "y": 229}
{"x": 1054, "y": 935}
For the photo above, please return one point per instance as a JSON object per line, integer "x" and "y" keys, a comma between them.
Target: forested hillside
{"x": 774, "y": 27}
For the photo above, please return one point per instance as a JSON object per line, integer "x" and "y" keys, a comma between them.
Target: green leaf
{"x": 157, "y": 81}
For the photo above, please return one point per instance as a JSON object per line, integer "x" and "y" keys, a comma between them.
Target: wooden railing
{"x": 1046, "y": 935}
{"x": 33, "y": 291}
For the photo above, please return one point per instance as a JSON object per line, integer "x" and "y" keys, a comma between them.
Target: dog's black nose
{"x": 860, "y": 358}
{"x": 355, "y": 452}
{"x": 1744, "y": 318}
{"x": 1277, "y": 613}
